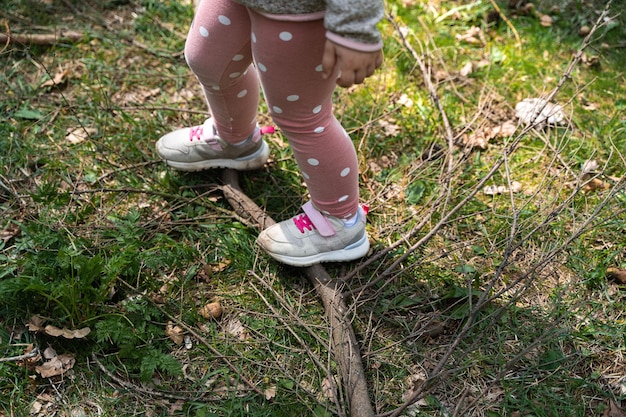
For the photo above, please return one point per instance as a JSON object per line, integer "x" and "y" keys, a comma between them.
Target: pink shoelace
{"x": 195, "y": 133}
{"x": 303, "y": 222}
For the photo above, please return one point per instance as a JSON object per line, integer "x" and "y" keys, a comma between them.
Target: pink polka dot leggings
{"x": 223, "y": 42}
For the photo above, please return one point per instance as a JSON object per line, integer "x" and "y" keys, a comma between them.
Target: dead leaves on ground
{"x": 480, "y": 137}
{"x": 36, "y": 324}
{"x": 55, "y": 364}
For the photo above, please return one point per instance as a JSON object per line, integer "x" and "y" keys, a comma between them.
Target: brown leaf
{"x": 466, "y": 70}
{"x": 79, "y": 134}
{"x": 270, "y": 392}
{"x": 614, "y": 410}
{"x": 235, "y": 327}
{"x": 175, "y": 333}
{"x": 473, "y": 35}
{"x": 58, "y": 365}
{"x": 211, "y": 310}
{"x": 594, "y": 184}
{"x": 505, "y": 130}
{"x": 66, "y": 333}
{"x": 35, "y": 324}
{"x": 59, "y": 78}
{"x": 10, "y": 231}
{"x": 478, "y": 139}
{"x": 546, "y": 20}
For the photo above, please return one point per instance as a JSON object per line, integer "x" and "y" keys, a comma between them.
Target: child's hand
{"x": 352, "y": 66}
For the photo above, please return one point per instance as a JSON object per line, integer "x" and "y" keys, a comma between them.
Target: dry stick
{"x": 25, "y": 356}
{"x": 344, "y": 345}
{"x": 484, "y": 297}
{"x": 41, "y": 38}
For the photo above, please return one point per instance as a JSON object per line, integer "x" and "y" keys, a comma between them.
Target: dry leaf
{"x": 270, "y": 392}
{"x": 589, "y": 166}
{"x": 614, "y": 410}
{"x": 58, "y": 365}
{"x": 211, "y": 310}
{"x": 505, "y": 130}
{"x": 79, "y": 134}
{"x": 414, "y": 382}
{"x": 594, "y": 184}
{"x": 466, "y": 70}
{"x": 49, "y": 353}
{"x": 476, "y": 139}
{"x": 328, "y": 388}
{"x": 10, "y": 231}
{"x": 220, "y": 266}
{"x": 66, "y": 333}
{"x": 235, "y": 327}
{"x": 36, "y": 407}
{"x": 59, "y": 78}
{"x": 539, "y": 111}
{"x": 175, "y": 333}
{"x": 516, "y": 187}
{"x": 32, "y": 360}
{"x": 389, "y": 129}
{"x": 473, "y": 35}
{"x": 546, "y": 20}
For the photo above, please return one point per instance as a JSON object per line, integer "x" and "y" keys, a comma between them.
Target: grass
{"x": 505, "y": 311}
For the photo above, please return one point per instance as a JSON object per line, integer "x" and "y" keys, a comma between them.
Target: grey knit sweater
{"x": 352, "y": 20}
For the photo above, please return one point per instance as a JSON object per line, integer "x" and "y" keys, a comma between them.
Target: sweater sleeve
{"x": 352, "y": 23}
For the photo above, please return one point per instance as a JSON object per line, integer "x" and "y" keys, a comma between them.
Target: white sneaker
{"x": 312, "y": 237}
{"x": 199, "y": 147}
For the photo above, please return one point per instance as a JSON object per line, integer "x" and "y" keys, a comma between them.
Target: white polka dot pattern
{"x": 285, "y": 36}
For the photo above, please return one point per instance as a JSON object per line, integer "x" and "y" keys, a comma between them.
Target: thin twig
{"x": 19, "y": 358}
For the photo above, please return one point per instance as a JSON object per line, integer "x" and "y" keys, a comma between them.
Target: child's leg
{"x": 218, "y": 52}
{"x": 288, "y": 58}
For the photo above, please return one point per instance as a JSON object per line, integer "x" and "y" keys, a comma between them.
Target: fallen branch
{"x": 41, "y": 38}
{"x": 343, "y": 343}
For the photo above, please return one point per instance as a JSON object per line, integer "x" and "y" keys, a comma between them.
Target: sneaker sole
{"x": 350, "y": 253}
{"x": 247, "y": 163}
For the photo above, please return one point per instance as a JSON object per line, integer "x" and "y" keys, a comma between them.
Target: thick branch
{"x": 343, "y": 340}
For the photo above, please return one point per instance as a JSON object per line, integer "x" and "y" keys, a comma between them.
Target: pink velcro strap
{"x": 321, "y": 223}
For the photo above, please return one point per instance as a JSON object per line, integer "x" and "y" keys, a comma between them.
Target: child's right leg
{"x": 218, "y": 52}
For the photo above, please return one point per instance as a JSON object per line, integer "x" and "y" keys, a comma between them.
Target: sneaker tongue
{"x": 321, "y": 223}
{"x": 208, "y": 130}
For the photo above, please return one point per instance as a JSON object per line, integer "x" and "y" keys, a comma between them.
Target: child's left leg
{"x": 288, "y": 58}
